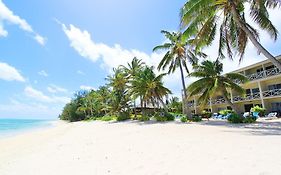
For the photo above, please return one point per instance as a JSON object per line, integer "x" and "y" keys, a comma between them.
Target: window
{"x": 274, "y": 86}
{"x": 259, "y": 70}
{"x": 276, "y": 106}
{"x": 255, "y": 90}
{"x": 248, "y": 91}
{"x": 270, "y": 67}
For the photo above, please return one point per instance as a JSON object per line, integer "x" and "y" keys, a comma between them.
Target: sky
{"x": 51, "y": 49}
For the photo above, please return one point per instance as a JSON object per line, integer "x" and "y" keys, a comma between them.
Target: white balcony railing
{"x": 255, "y": 96}
{"x": 272, "y": 93}
{"x": 262, "y": 74}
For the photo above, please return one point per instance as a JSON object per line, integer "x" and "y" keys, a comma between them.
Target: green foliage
{"x": 235, "y": 118}
{"x": 107, "y": 118}
{"x": 164, "y": 116}
{"x": 258, "y": 109}
{"x": 249, "y": 119}
{"x": 212, "y": 81}
{"x": 196, "y": 118}
{"x": 123, "y": 116}
{"x": 206, "y": 114}
{"x": 143, "y": 118}
{"x": 225, "y": 112}
{"x": 184, "y": 119}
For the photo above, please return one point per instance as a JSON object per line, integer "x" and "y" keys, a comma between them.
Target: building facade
{"x": 263, "y": 89}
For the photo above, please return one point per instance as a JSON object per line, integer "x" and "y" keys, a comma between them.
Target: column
{"x": 231, "y": 96}
{"x": 264, "y": 72}
{"x": 211, "y": 106}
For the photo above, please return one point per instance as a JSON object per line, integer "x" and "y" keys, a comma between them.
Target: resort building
{"x": 263, "y": 89}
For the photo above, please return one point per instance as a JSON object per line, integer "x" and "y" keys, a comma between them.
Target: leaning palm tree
{"x": 200, "y": 18}
{"x": 177, "y": 55}
{"x": 211, "y": 82}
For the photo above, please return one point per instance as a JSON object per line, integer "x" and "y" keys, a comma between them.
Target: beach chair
{"x": 271, "y": 115}
{"x": 246, "y": 114}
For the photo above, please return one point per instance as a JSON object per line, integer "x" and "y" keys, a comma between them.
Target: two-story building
{"x": 263, "y": 89}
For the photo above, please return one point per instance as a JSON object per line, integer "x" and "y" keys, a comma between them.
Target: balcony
{"x": 248, "y": 97}
{"x": 272, "y": 93}
{"x": 262, "y": 74}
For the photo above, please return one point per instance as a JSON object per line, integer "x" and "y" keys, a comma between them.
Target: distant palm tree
{"x": 149, "y": 87}
{"x": 177, "y": 55}
{"x": 211, "y": 82}
{"x": 200, "y": 18}
{"x": 132, "y": 69}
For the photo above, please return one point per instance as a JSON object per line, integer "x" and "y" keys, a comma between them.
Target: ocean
{"x": 10, "y": 127}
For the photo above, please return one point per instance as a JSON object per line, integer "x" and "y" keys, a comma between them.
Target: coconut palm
{"x": 200, "y": 18}
{"x": 149, "y": 87}
{"x": 212, "y": 82}
{"x": 177, "y": 55}
{"x": 132, "y": 69}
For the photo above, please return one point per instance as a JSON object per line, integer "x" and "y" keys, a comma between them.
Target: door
{"x": 248, "y": 107}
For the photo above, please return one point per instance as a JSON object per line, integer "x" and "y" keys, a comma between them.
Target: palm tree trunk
{"x": 252, "y": 37}
{"x": 135, "y": 110}
{"x": 184, "y": 90}
{"x": 228, "y": 101}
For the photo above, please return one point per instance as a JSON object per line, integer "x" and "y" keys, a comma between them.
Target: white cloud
{"x": 87, "y": 88}
{"x": 80, "y": 72}
{"x": 6, "y": 15}
{"x": 55, "y": 89}
{"x": 43, "y": 73}
{"x": 10, "y": 73}
{"x": 40, "y": 96}
{"x": 41, "y": 40}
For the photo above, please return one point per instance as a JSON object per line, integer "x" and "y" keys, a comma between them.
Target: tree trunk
{"x": 228, "y": 101}
{"x": 135, "y": 110}
{"x": 184, "y": 91}
{"x": 255, "y": 42}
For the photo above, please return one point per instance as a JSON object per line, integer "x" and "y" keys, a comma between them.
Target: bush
{"x": 196, "y": 118}
{"x": 250, "y": 119}
{"x": 123, "y": 116}
{"x": 226, "y": 111}
{"x": 235, "y": 118}
{"x": 258, "y": 109}
{"x": 143, "y": 118}
{"x": 164, "y": 116}
{"x": 183, "y": 119}
{"x": 107, "y": 118}
{"x": 206, "y": 114}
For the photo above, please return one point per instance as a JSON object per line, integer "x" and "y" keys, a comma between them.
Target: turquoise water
{"x": 9, "y": 127}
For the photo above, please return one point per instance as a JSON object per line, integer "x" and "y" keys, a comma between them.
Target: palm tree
{"x": 200, "y": 18}
{"x": 119, "y": 98}
{"x": 177, "y": 55}
{"x": 132, "y": 70}
{"x": 211, "y": 82}
{"x": 149, "y": 87}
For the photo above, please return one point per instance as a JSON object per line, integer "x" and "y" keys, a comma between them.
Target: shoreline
{"x": 133, "y": 147}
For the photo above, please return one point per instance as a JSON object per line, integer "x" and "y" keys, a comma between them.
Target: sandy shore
{"x": 99, "y": 148}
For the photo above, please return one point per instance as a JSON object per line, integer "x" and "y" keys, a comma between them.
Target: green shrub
{"x": 123, "y": 116}
{"x": 258, "y": 109}
{"x": 107, "y": 118}
{"x": 206, "y": 114}
{"x": 235, "y": 118}
{"x": 250, "y": 119}
{"x": 196, "y": 118}
{"x": 170, "y": 117}
{"x": 143, "y": 118}
{"x": 160, "y": 118}
{"x": 226, "y": 111}
{"x": 183, "y": 119}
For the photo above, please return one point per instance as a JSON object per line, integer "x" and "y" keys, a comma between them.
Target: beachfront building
{"x": 263, "y": 89}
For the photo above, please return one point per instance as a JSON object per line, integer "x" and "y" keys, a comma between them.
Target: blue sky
{"x": 50, "y": 49}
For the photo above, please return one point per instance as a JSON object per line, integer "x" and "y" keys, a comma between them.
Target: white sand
{"x": 132, "y": 148}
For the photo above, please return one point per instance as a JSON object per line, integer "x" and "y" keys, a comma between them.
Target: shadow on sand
{"x": 258, "y": 128}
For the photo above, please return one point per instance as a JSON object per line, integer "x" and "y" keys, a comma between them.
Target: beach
{"x": 133, "y": 147}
